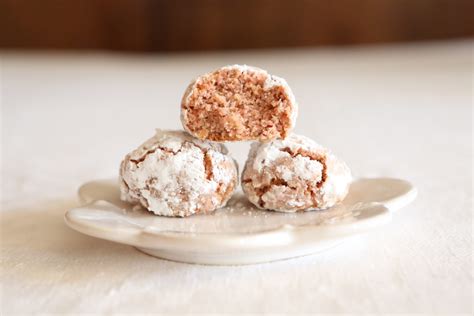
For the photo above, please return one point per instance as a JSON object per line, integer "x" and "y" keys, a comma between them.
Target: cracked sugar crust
{"x": 175, "y": 174}
{"x": 237, "y": 103}
{"x": 295, "y": 174}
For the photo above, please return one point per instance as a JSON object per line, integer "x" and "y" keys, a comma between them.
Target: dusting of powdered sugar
{"x": 337, "y": 183}
{"x": 294, "y": 174}
{"x": 168, "y": 175}
{"x": 263, "y": 155}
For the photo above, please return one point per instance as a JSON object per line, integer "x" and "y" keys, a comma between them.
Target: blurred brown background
{"x": 167, "y": 25}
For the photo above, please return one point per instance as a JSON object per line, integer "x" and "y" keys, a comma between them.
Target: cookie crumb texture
{"x": 174, "y": 174}
{"x": 295, "y": 174}
{"x": 238, "y": 103}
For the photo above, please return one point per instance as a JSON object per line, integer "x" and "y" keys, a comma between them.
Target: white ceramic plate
{"x": 238, "y": 233}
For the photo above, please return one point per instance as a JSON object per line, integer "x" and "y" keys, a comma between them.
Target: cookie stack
{"x": 178, "y": 173}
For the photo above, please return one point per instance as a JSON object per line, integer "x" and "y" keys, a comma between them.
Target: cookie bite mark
{"x": 238, "y": 103}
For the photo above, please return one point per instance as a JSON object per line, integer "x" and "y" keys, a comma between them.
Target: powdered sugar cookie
{"x": 238, "y": 103}
{"x": 174, "y": 174}
{"x": 294, "y": 174}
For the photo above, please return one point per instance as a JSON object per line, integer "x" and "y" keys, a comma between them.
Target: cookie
{"x": 174, "y": 174}
{"x": 295, "y": 174}
{"x": 236, "y": 103}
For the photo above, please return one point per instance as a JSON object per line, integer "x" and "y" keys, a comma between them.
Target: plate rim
{"x": 275, "y": 237}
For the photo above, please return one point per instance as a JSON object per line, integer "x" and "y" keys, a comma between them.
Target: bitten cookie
{"x": 294, "y": 174}
{"x": 237, "y": 103}
{"x": 174, "y": 174}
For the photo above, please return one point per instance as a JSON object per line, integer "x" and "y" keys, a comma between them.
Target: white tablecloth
{"x": 403, "y": 111}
